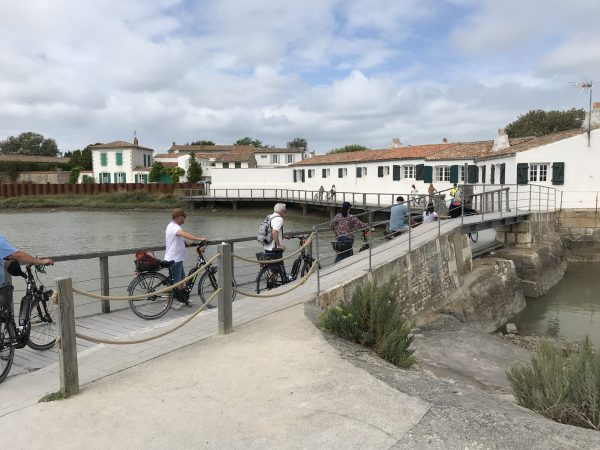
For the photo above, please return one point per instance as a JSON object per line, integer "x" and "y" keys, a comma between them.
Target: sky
{"x": 334, "y": 72}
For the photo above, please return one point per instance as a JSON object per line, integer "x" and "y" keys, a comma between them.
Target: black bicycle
{"x": 272, "y": 275}
{"x": 37, "y": 317}
{"x": 149, "y": 280}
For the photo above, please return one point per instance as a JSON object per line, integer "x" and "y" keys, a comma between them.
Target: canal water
{"x": 54, "y": 233}
{"x": 570, "y": 310}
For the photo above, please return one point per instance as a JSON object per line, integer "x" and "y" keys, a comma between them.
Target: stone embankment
{"x": 580, "y": 231}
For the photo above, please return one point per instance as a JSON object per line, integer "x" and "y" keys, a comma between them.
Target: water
{"x": 570, "y": 310}
{"x": 54, "y": 233}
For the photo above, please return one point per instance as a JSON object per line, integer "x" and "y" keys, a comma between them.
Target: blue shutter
{"x": 454, "y": 174}
{"x": 427, "y": 174}
{"x": 558, "y": 173}
{"x": 522, "y": 173}
{"x": 395, "y": 173}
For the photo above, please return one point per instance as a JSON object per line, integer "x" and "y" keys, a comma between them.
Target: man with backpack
{"x": 273, "y": 243}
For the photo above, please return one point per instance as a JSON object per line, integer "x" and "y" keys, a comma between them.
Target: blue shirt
{"x": 398, "y": 217}
{"x": 5, "y": 250}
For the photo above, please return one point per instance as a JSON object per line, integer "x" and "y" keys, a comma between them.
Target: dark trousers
{"x": 344, "y": 244}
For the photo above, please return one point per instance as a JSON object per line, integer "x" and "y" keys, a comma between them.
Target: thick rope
{"x": 296, "y": 286}
{"x": 142, "y": 296}
{"x": 151, "y": 338}
{"x": 272, "y": 261}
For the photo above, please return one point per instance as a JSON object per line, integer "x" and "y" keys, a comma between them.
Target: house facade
{"x": 121, "y": 162}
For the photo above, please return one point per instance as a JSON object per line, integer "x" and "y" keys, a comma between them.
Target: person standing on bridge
{"x": 321, "y": 192}
{"x": 343, "y": 225}
{"x": 175, "y": 251}
{"x": 275, "y": 248}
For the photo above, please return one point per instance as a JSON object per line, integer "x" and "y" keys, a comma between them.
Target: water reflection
{"x": 570, "y": 310}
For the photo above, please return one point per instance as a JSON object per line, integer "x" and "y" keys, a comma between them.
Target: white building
{"x": 562, "y": 161}
{"x": 121, "y": 162}
{"x": 277, "y": 157}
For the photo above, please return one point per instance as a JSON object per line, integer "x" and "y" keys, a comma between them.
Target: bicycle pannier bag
{"x": 145, "y": 261}
{"x": 265, "y": 232}
{"x": 6, "y": 296}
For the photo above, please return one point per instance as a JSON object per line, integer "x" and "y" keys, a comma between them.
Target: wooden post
{"x": 104, "y": 283}
{"x": 67, "y": 350}
{"x": 224, "y": 277}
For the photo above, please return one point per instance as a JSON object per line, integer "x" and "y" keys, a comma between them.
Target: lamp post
{"x": 587, "y": 85}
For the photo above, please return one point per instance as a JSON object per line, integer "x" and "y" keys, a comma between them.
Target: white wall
{"x": 251, "y": 178}
{"x": 111, "y": 166}
{"x": 263, "y": 159}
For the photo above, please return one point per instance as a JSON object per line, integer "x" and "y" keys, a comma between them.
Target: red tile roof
{"x": 410, "y": 152}
{"x": 236, "y": 157}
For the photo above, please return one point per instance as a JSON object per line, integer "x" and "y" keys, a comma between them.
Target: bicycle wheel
{"x": 308, "y": 262}
{"x": 474, "y": 236}
{"x": 7, "y": 349}
{"x": 154, "y": 306}
{"x": 269, "y": 278}
{"x": 208, "y": 284}
{"x": 44, "y": 323}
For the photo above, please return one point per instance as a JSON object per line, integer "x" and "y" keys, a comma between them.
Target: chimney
{"x": 445, "y": 140}
{"x": 312, "y": 154}
{"x": 501, "y": 140}
{"x": 135, "y": 141}
{"x": 595, "y": 116}
{"x": 173, "y": 142}
{"x": 396, "y": 143}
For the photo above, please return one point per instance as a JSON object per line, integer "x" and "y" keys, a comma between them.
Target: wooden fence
{"x": 29, "y": 189}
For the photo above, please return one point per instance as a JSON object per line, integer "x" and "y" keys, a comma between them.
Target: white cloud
{"x": 335, "y": 72}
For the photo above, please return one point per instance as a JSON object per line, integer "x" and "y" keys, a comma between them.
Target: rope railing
{"x": 277, "y": 294}
{"x": 273, "y": 261}
{"x": 97, "y": 340}
{"x": 142, "y": 296}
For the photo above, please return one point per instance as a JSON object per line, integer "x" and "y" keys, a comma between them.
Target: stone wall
{"x": 580, "y": 232}
{"x": 438, "y": 279}
{"x": 530, "y": 232}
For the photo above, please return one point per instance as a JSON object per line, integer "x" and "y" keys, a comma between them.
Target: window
{"x": 289, "y": 159}
{"x": 120, "y": 177}
{"x": 409, "y": 171}
{"x": 103, "y": 159}
{"x": 225, "y": 165}
{"x": 380, "y": 172}
{"x": 461, "y": 173}
{"x": 275, "y": 159}
{"x": 386, "y": 170}
{"x": 104, "y": 178}
{"x": 442, "y": 173}
{"x": 325, "y": 173}
{"x": 311, "y": 173}
{"x": 342, "y": 172}
{"x": 119, "y": 156}
{"x": 263, "y": 156}
{"x": 358, "y": 172}
{"x": 238, "y": 165}
{"x": 538, "y": 172}
{"x": 364, "y": 171}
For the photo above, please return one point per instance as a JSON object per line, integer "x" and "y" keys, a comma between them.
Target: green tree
{"x": 201, "y": 142}
{"x": 194, "y": 172}
{"x": 156, "y": 171}
{"x": 174, "y": 173}
{"x": 348, "y": 148}
{"x": 539, "y": 123}
{"x": 29, "y": 143}
{"x": 81, "y": 158}
{"x": 298, "y": 143}
{"x": 74, "y": 175}
{"x": 249, "y": 141}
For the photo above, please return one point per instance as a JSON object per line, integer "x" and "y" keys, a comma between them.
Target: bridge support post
{"x": 104, "y": 283}
{"x": 331, "y": 212}
{"x": 67, "y": 348}
{"x": 304, "y": 209}
{"x": 191, "y": 205}
{"x": 234, "y": 205}
{"x": 224, "y": 278}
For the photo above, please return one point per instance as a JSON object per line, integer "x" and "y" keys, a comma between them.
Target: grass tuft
{"x": 372, "y": 318}
{"x": 560, "y": 384}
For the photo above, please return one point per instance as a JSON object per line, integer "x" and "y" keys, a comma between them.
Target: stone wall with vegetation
{"x": 439, "y": 278}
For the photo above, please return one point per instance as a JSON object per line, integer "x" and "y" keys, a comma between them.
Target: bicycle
{"x": 272, "y": 275}
{"x": 365, "y": 246}
{"x": 151, "y": 280}
{"x": 37, "y": 318}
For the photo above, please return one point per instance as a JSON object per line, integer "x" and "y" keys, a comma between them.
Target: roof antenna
{"x": 586, "y": 84}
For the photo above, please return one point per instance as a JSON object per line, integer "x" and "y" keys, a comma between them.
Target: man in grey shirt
{"x": 398, "y": 217}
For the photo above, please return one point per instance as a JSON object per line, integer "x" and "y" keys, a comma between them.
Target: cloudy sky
{"x": 334, "y": 72}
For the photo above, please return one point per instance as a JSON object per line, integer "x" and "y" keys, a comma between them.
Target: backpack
{"x": 265, "y": 231}
{"x": 145, "y": 261}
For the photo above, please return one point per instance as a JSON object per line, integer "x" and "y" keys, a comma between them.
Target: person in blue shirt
{"x": 7, "y": 251}
{"x": 398, "y": 217}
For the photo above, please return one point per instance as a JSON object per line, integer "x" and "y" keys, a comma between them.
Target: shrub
{"x": 372, "y": 318}
{"x": 563, "y": 385}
